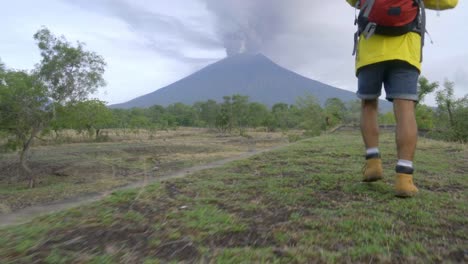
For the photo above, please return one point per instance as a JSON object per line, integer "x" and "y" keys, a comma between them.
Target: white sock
{"x": 405, "y": 163}
{"x": 371, "y": 151}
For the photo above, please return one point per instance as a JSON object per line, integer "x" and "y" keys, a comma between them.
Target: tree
{"x": 90, "y": 115}
{"x": 23, "y": 108}
{"x": 121, "y": 118}
{"x": 224, "y": 117}
{"x": 207, "y": 112}
{"x": 424, "y": 117}
{"x": 184, "y": 114}
{"x": 335, "y": 111}
{"x": 452, "y": 116}
{"x": 240, "y": 104}
{"x": 62, "y": 119}
{"x": 353, "y": 112}
{"x": 257, "y": 114}
{"x": 424, "y": 114}
{"x": 446, "y": 100}
{"x": 137, "y": 119}
{"x": 425, "y": 87}
{"x": 233, "y": 112}
{"x": 312, "y": 115}
{"x": 158, "y": 116}
{"x": 66, "y": 73}
{"x": 280, "y": 115}
{"x": 284, "y": 116}
{"x": 69, "y": 72}
{"x": 460, "y": 118}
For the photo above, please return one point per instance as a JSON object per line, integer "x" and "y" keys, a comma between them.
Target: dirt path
{"x": 24, "y": 215}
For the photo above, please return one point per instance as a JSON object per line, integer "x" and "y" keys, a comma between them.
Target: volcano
{"x": 246, "y": 74}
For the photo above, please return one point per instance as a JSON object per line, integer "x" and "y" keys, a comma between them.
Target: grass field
{"x": 79, "y": 168}
{"x": 301, "y": 204}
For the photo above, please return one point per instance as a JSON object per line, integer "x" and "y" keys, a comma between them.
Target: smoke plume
{"x": 245, "y": 26}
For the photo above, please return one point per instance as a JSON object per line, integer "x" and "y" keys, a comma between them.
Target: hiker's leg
{"x": 373, "y": 170}
{"x": 401, "y": 83}
{"x": 401, "y": 87}
{"x": 406, "y": 128}
{"x": 406, "y": 138}
{"x": 370, "y": 80}
{"x": 369, "y": 124}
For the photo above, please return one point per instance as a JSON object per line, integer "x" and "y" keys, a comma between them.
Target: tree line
{"x": 448, "y": 121}
{"x": 233, "y": 115}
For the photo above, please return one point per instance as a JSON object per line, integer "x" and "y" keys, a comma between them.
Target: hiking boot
{"x": 404, "y": 186}
{"x": 372, "y": 170}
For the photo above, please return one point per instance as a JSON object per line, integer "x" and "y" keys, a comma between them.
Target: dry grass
{"x": 71, "y": 169}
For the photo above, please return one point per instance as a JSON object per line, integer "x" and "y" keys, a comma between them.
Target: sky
{"x": 149, "y": 44}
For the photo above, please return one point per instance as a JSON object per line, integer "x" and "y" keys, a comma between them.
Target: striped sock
{"x": 372, "y": 153}
{"x": 404, "y": 166}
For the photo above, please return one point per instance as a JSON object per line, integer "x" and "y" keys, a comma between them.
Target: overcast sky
{"x": 150, "y": 44}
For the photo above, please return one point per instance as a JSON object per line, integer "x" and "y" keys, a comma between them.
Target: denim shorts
{"x": 400, "y": 80}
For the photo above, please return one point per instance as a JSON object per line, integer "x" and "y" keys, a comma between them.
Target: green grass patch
{"x": 210, "y": 219}
{"x": 301, "y": 204}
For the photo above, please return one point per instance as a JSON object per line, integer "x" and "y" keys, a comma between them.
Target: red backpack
{"x": 390, "y": 17}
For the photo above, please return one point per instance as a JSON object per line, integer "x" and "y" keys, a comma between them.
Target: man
{"x": 395, "y": 62}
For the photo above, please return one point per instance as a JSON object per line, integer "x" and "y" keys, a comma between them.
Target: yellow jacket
{"x": 380, "y": 48}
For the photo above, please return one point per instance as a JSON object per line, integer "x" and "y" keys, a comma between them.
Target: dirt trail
{"x": 27, "y": 214}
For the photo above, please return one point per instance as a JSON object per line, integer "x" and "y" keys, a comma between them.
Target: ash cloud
{"x": 245, "y": 26}
{"x": 312, "y": 38}
{"x": 300, "y": 33}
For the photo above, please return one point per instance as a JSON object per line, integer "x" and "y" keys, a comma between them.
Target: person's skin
{"x": 406, "y": 127}
{"x": 369, "y": 123}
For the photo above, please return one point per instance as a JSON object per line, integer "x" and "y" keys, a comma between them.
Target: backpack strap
{"x": 356, "y": 35}
{"x": 370, "y": 28}
{"x": 366, "y": 8}
{"x": 422, "y": 22}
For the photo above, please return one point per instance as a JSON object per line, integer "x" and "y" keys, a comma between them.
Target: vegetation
{"x": 83, "y": 116}
{"x": 300, "y": 204}
{"x": 452, "y": 118}
{"x": 449, "y": 121}
{"x": 234, "y": 114}
{"x": 65, "y": 74}
{"x": 335, "y": 112}
{"x": 23, "y": 110}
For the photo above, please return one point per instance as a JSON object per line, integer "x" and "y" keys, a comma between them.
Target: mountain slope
{"x": 253, "y": 75}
